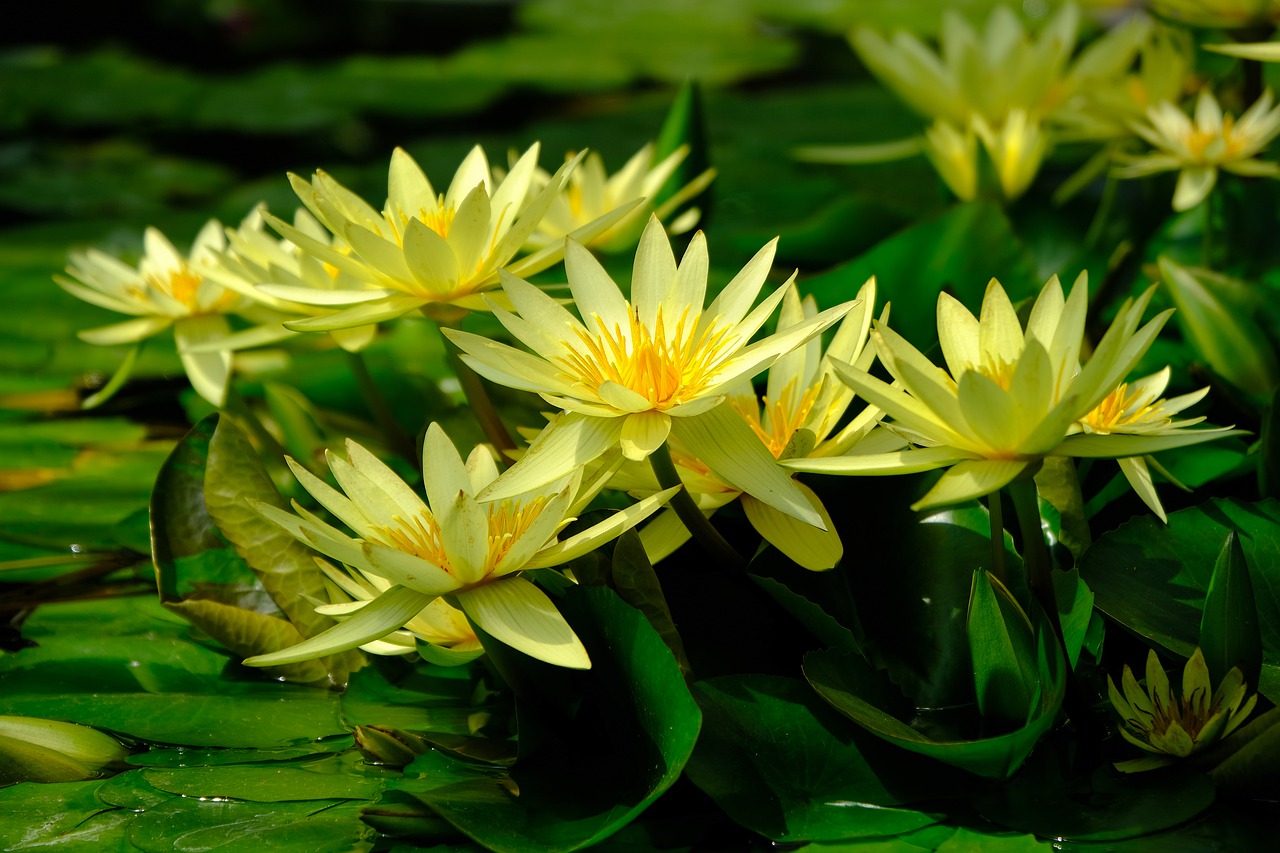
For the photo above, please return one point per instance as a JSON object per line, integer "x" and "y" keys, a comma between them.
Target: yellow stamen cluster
{"x": 439, "y": 220}
{"x": 784, "y": 417}
{"x": 1116, "y": 410}
{"x": 508, "y": 521}
{"x": 665, "y": 370}
{"x": 419, "y": 536}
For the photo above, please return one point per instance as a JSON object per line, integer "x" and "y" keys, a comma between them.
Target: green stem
{"x": 996, "y": 511}
{"x": 481, "y": 405}
{"x": 1103, "y": 213}
{"x": 687, "y": 509}
{"x": 396, "y": 437}
{"x": 1035, "y": 554}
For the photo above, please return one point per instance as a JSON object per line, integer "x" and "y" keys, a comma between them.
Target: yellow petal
{"x": 518, "y": 614}
{"x": 814, "y": 549}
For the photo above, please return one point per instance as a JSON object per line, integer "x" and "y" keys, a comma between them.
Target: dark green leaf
{"x": 1229, "y": 633}
{"x": 1003, "y": 649}
{"x": 783, "y": 764}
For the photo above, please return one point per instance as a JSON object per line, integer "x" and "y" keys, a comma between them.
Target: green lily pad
{"x": 1104, "y": 806}
{"x": 783, "y": 764}
{"x": 67, "y": 811}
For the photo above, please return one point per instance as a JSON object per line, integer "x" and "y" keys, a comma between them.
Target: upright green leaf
{"x": 1229, "y": 632}
{"x": 1003, "y": 649}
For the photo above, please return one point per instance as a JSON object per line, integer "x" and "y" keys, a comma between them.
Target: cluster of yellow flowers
{"x": 661, "y": 374}
{"x": 999, "y": 98}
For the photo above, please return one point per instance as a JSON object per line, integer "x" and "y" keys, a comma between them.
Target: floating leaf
{"x": 783, "y": 764}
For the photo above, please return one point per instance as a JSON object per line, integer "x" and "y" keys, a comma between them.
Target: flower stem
{"x": 374, "y": 400}
{"x": 687, "y": 509}
{"x": 481, "y": 404}
{"x": 996, "y": 512}
{"x": 1035, "y": 554}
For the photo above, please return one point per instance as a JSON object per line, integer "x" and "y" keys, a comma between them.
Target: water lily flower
{"x": 592, "y": 193}
{"x": 797, "y": 417}
{"x": 999, "y": 85}
{"x": 1198, "y": 149}
{"x": 1008, "y": 398}
{"x": 166, "y": 290}
{"x": 1136, "y": 408}
{"x": 437, "y": 253}
{"x": 439, "y": 624}
{"x": 448, "y": 545}
{"x": 999, "y": 69}
{"x": 629, "y": 374}
{"x": 1172, "y": 727}
{"x": 253, "y": 259}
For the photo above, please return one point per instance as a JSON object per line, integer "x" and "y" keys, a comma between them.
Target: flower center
{"x": 1119, "y": 408}
{"x": 183, "y": 286}
{"x": 665, "y": 369}
{"x": 998, "y": 370}
{"x": 784, "y": 415}
{"x": 508, "y": 521}
{"x": 419, "y": 536}
{"x": 1217, "y": 146}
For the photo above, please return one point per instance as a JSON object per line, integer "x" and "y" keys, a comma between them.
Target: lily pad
{"x": 782, "y": 763}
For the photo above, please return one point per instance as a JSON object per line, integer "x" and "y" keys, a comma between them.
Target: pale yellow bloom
{"x": 412, "y": 551}
{"x": 592, "y": 193}
{"x": 1173, "y": 727}
{"x": 998, "y": 69}
{"x": 439, "y": 623}
{"x": 166, "y": 289}
{"x": 1136, "y": 408}
{"x": 428, "y": 251}
{"x": 268, "y": 270}
{"x": 1009, "y": 396}
{"x": 797, "y": 417}
{"x": 628, "y": 374}
{"x": 1198, "y": 149}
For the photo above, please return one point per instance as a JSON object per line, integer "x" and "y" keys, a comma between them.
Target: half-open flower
{"x": 1136, "y": 408}
{"x": 448, "y": 545}
{"x": 166, "y": 289}
{"x": 632, "y": 373}
{"x": 425, "y": 251}
{"x": 254, "y": 258}
{"x": 592, "y": 193}
{"x": 1009, "y": 397}
{"x": 1173, "y": 727}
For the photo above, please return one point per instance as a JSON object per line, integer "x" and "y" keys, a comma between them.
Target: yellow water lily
{"x": 1173, "y": 727}
{"x": 1198, "y": 148}
{"x": 592, "y": 193}
{"x": 1136, "y": 408}
{"x": 439, "y": 623}
{"x": 1009, "y": 396}
{"x": 998, "y": 69}
{"x": 629, "y": 374}
{"x": 449, "y": 545}
{"x": 166, "y": 289}
{"x": 254, "y": 263}
{"x": 797, "y": 416}
{"x": 437, "y": 253}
